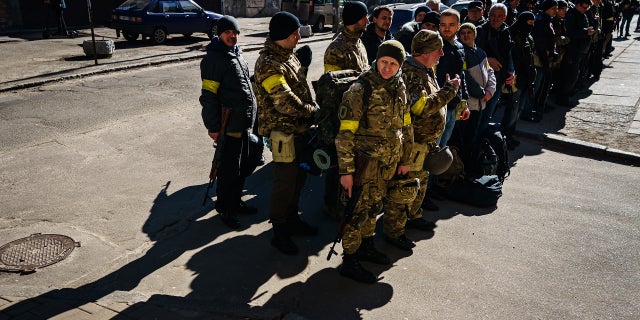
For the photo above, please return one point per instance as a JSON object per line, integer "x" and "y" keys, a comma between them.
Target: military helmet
{"x": 438, "y": 160}
{"x": 403, "y": 190}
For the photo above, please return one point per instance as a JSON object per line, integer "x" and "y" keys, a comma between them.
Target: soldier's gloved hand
{"x": 304, "y": 54}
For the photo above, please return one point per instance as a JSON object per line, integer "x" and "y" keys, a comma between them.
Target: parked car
{"x": 316, "y": 13}
{"x": 156, "y": 19}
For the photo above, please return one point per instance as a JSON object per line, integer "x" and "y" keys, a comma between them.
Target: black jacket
{"x": 452, "y": 63}
{"x": 577, "y": 24}
{"x": 497, "y": 44}
{"x": 371, "y": 41}
{"x": 226, "y": 82}
{"x": 544, "y": 38}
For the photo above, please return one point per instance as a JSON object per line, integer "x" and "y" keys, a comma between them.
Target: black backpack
{"x": 480, "y": 192}
{"x": 499, "y": 145}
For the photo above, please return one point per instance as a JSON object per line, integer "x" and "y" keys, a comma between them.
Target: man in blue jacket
{"x": 226, "y": 84}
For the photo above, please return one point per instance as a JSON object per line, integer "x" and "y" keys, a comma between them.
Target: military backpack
{"x": 329, "y": 90}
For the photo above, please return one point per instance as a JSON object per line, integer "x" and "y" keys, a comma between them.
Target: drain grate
{"x": 35, "y": 251}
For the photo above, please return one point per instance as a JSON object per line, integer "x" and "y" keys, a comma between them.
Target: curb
{"x": 246, "y": 48}
{"x": 559, "y": 141}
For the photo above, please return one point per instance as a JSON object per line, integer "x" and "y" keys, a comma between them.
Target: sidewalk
{"x": 28, "y": 61}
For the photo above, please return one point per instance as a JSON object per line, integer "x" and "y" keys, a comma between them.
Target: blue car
{"x": 156, "y": 19}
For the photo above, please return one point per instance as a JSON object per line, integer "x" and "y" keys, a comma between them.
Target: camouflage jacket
{"x": 346, "y": 51}
{"x": 381, "y": 129}
{"x": 427, "y": 102}
{"x": 284, "y": 98}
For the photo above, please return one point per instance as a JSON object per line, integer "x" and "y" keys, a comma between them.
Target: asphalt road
{"x": 119, "y": 162}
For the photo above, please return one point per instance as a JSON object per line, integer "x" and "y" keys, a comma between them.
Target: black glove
{"x": 304, "y": 54}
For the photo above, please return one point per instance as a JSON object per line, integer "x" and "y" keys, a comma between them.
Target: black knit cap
{"x": 393, "y": 49}
{"x": 227, "y": 23}
{"x": 476, "y": 4}
{"x": 352, "y": 12}
{"x": 548, "y": 4}
{"x": 282, "y": 25}
{"x": 562, "y": 4}
{"x": 424, "y": 9}
{"x": 432, "y": 17}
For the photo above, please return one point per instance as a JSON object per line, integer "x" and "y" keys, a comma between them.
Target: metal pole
{"x": 93, "y": 36}
{"x": 336, "y": 17}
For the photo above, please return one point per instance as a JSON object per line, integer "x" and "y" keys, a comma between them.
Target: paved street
{"x": 119, "y": 162}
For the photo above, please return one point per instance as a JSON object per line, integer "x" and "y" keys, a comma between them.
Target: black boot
{"x": 420, "y": 224}
{"x": 230, "y": 219}
{"x": 297, "y": 227}
{"x": 282, "y": 239}
{"x": 351, "y": 268}
{"x": 368, "y": 252}
{"x": 401, "y": 242}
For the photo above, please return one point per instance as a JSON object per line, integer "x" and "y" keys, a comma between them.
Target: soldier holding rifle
{"x": 229, "y": 113}
{"x": 376, "y": 132}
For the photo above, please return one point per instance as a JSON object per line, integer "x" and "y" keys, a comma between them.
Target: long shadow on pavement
{"x": 170, "y": 216}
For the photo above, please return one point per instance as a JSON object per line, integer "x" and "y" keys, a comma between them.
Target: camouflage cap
{"x": 425, "y": 41}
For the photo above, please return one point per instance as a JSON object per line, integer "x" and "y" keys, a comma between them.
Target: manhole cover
{"x": 35, "y": 251}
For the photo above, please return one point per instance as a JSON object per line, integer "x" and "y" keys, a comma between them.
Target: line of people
{"x": 412, "y": 98}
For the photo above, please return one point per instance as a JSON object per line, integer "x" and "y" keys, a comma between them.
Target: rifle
{"x": 363, "y": 160}
{"x": 225, "y": 113}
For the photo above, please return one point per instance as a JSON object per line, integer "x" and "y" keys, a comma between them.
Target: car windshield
{"x": 134, "y": 5}
{"x": 401, "y": 17}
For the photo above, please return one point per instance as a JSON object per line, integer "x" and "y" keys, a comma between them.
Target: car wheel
{"x": 159, "y": 36}
{"x": 319, "y": 26}
{"x": 214, "y": 30}
{"x": 187, "y": 34}
{"x": 130, "y": 36}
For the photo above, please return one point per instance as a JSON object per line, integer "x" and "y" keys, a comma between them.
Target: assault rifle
{"x": 225, "y": 113}
{"x": 363, "y": 161}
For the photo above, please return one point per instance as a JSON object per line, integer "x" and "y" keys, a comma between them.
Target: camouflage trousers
{"x": 363, "y": 222}
{"x": 396, "y": 214}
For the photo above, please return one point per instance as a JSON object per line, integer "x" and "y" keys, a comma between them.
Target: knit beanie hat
{"x": 227, "y": 23}
{"x": 562, "y": 4}
{"x": 432, "y": 17}
{"x": 352, "y": 12}
{"x": 469, "y": 26}
{"x": 547, "y": 4}
{"x": 425, "y": 41}
{"x": 424, "y": 9}
{"x": 476, "y": 5}
{"x": 282, "y": 25}
{"x": 393, "y": 49}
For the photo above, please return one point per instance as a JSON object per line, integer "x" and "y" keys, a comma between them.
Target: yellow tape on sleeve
{"x": 350, "y": 125}
{"x": 407, "y": 119}
{"x": 210, "y": 85}
{"x": 417, "y": 107}
{"x": 273, "y": 81}
{"x": 330, "y": 67}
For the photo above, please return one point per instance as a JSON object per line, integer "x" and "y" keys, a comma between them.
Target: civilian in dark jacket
{"x": 494, "y": 38}
{"x": 522, "y": 91}
{"x": 579, "y": 31}
{"x": 226, "y": 84}
{"x": 452, "y": 64}
{"x": 545, "y": 52}
{"x": 377, "y": 31}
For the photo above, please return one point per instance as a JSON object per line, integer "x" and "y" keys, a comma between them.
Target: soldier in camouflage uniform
{"x": 428, "y": 105}
{"x": 285, "y": 108}
{"x": 377, "y": 128}
{"x": 346, "y": 51}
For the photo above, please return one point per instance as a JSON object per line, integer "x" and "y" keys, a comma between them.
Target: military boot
{"x": 297, "y": 227}
{"x": 368, "y": 252}
{"x": 401, "y": 242}
{"x": 351, "y": 268}
{"x": 282, "y": 239}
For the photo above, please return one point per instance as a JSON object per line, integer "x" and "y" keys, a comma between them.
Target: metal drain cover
{"x": 35, "y": 251}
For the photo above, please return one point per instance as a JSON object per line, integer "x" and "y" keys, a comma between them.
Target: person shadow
{"x": 170, "y": 217}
